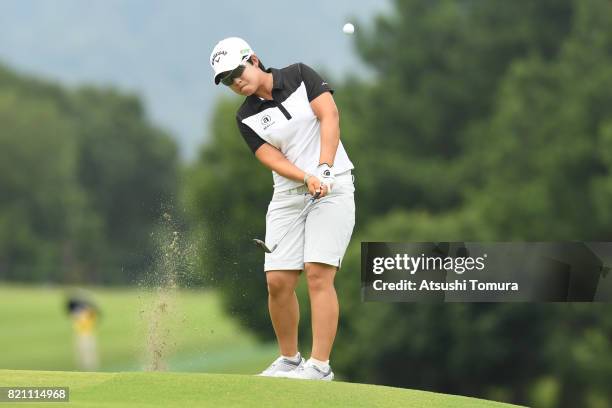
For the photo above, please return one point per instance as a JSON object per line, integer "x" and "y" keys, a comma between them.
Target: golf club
{"x": 263, "y": 245}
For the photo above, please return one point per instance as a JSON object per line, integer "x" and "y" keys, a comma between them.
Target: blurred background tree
{"x": 83, "y": 180}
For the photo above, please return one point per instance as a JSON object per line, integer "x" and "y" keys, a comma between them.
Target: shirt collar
{"x": 277, "y": 78}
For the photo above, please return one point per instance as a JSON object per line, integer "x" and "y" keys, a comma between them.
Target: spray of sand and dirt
{"x": 173, "y": 266}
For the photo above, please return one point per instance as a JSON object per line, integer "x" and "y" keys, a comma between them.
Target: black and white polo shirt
{"x": 288, "y": 123}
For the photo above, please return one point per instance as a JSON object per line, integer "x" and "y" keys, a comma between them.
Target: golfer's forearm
{"x": 330, "y": 138}
{"x": 287, "y": 169}
{"x": 273, "y": 159}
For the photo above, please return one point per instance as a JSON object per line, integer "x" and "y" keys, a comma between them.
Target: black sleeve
{"x": 315, "y": 85}
{"x": 250, "y": 137}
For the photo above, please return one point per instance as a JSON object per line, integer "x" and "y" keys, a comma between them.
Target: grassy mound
{"x": 149, "y": 389}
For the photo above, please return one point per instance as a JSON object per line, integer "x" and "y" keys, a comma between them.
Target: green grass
{"x": 115, "y": 390}
{"x": 36, "y": 333}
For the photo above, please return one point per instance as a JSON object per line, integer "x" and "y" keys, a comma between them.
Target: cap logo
{"x": 217, "y": 56}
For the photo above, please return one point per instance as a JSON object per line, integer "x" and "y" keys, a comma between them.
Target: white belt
{"x": 344, "y": 176}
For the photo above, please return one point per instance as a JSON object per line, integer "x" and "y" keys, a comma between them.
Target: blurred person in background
{"x": 84, "y": 314}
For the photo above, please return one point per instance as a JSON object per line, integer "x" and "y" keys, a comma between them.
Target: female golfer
{"x": 291, "y": 123}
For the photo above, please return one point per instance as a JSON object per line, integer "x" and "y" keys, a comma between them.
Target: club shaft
{"x": 312, "y": 200}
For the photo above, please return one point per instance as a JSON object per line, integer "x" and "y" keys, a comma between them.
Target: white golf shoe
{"x": 282, "y": 367}
{"x": 309, "y": 371}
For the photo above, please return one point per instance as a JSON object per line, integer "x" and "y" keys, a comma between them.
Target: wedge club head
{"x": 262, "y": 245}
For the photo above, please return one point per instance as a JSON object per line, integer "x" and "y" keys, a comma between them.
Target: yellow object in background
{"x": 84, "y": 314}
{"x": 84, "y": 321}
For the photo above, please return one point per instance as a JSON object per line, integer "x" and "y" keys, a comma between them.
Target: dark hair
{"x": 261, "y": 65}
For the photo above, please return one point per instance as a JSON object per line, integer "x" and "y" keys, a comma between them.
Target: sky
{"x": 159, "y": 49}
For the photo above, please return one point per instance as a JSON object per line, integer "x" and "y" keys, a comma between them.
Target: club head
{"x": 262, "y": 245}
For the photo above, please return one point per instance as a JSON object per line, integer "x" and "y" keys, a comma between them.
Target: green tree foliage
{"x": 83, "y": 179}
{"x": 227, "y": 193}
{"x": 546, "y": 165}
{"x": 439, "y": 64}
{"x": 43, "y": 211}
{"x": 535, "y": 167}
{"x": 129, "y": 170}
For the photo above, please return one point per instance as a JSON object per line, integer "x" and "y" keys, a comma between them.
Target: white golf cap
{"x": 228, "y": 54}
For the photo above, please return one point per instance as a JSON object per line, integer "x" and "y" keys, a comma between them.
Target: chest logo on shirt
{"x": 266, "y": 121}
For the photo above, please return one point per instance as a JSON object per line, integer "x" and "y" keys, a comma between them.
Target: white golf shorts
{"x": 322, "y": 234}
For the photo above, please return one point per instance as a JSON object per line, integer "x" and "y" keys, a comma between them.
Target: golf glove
{"x": 325, "y": 175}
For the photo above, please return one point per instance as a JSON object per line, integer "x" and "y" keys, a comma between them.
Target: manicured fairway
{"x": 116, "y": 390}
{"x": 36, "y": 333}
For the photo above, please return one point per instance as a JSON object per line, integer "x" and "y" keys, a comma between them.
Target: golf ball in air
{"x": 348, "y": 28}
